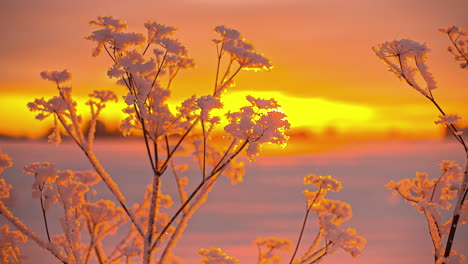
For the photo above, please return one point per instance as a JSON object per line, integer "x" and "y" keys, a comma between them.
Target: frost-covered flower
{"x": 263, "y": 103}
{"x": 111, "y": 32}
{"x": 206, "y": 104}
{"x": 72, "y": 193}
{"x": 173, "y": 46}
{"x": 45, "y": 108}
{"x": 430, "y": 197}
{"x": 87, "y": 177}
{"x": 405, "y": 58}
{"x": 226, "y": 34}
{"x": 4, "y": 189}
{"x": 240, "y": 50}
{"x": 272, "y": 246}
{"x": 134, "y": 62}
{"x": 333, "y": 211}
{"x": 425, "y": 194}
{"x": 157, "y": 31}
{"x": 258, "y": 125}
{"x": 103, "y": 212}
{"x": 115, "y": 71}
{"x": 215, "y": 256}
{"x": 448, "y": 119}
{"x": 348, "y": 240}
{"x": 9, "y": 250}
{"x": 109, "y": 22}
{"x": 104, "y": 96}
{"x": 455, "y": 30}
{"x": 246, "y": 56}
{"x": 44, "y": 172}
{"x": 56, "y": 76}
{"x": 323, "y": 182}
{"x": 459, "y": 46}
{"x": 5, "y": 162}
{"x": 124, "y": 40}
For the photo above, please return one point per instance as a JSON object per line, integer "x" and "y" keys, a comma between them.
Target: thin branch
{"x": 187, "y": 214}
{"x": 159, "y": 69}
{"x": 171, "y": 153}
{"x": 213, "y": 173}
{"x": 67, "y": 221}
{"x": 27, "y": 232}
{"x": 113, "y": 187}
{"x": 222, "y": 166}
{"x": 225, "y": 153}
{"x": 44, "y": 216}
{"x": 181, "y": 208}
{"x": 462, "y": 194}
{"x": 110, "y": 55}
{"x": 309, "y": 208}
{"x": 204, "y": 149}
{"x": 259, "y": 253}
{"x": 435, "y": 236}
{"x": 458, "y": 49}
{"x": 220, "y": 54}
{"x": 151, "y": 215}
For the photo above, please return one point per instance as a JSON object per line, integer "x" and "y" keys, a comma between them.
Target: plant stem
{"x": 164, "y": 165}
{"x": 181, "y": 208}
{"x": 215, "y": 172}
{"x": 462, "y": 193}
{"x": 300, "y": 235}
{"x": 220, "y": 54}
{"x": 45, "y": 219}
{"x": 204, "y": 149}
{"x": 151, "y": 215}
{"x": 458, "y": 49}
{"x": 27, "y": 232}
{"x": 309, "y": 208}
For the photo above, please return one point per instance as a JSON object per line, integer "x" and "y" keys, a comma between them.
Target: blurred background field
{"x": 269, "y": 202}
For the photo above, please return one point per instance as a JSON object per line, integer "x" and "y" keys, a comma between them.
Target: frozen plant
{"x": 146, "y": 66}
{"x": 330, "y": 236}
{"x": 407, "y": 60}
{"x": 459, "y": 44}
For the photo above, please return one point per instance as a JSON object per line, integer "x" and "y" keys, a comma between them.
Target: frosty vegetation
{"x": 148, "y": 231}
{"x": 431, "y": 197}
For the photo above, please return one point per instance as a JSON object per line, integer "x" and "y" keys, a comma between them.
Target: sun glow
{"x": 316, "y": 113}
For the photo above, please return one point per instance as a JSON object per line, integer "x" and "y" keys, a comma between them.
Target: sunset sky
{"x": 325, "y": 74}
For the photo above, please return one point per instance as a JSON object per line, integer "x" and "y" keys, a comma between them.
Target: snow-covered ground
{"x": 269, "y": 202}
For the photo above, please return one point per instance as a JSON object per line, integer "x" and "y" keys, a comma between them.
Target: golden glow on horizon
{"x": 315, "y": 114}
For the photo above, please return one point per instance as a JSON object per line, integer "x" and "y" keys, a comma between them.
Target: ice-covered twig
{"x": 25, "y": 230}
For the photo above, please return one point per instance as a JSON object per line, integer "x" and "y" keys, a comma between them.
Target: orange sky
{"x": 325, "y": 73}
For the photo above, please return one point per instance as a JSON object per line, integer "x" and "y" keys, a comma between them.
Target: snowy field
{"x": 269, "y": 201}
